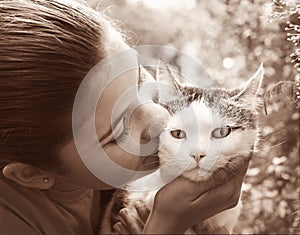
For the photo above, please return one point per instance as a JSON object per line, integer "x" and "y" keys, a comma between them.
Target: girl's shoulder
{"x": 28, "y": 211}
{"x": 15, "y": 211}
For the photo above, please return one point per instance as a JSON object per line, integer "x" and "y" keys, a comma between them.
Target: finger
{"x": 238, "y": 163}
{"x": 240, "y": 174}
{"x": 236, "y": 168}
{"x": 118, "y": 228}
{"x": 130, "y": 221}
{"x": 142, "y": 210}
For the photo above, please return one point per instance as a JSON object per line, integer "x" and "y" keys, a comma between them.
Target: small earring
{"x": 46, "y": 180}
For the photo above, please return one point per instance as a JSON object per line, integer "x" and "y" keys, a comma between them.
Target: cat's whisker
{"x": 176, "y": 167}
{"x": 165, "y": 159}
{"x": 151, "y": 163}
{"x": 172, "y": 163}
{"x": 165, "y": 162}
{"x": 238, "y": 154}
{"x": 232, "y": 163}
{"x": 165, "y": 155}
{"x": 223, "y": 175}
{"x": 270, "y": 147}
{"x": 231, "y": 171}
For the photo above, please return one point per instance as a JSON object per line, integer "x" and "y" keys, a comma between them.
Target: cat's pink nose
{"x": 197, "y": 157}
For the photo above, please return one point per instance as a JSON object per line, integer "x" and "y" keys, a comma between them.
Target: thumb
{"x": 183, "y": 186}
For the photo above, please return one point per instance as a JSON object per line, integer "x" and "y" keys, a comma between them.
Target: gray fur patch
{"x": 235, "y": 111}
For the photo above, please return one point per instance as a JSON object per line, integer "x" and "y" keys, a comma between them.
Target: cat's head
{"x": 206, "y": 127}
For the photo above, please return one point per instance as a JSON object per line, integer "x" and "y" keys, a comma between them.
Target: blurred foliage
{"x": 289, "y": 9}
{"x": 231, "y": 38}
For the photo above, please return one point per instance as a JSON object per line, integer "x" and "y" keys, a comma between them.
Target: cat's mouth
{"x": 200, "y": 166}
{"x": 199, "y": 169}
{"x": 197, "y": 174}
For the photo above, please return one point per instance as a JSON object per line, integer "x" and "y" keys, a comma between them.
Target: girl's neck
{"x": 64, "y": 185}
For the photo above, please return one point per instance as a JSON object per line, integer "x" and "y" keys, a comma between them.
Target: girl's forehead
{"x": 116, "y": 99}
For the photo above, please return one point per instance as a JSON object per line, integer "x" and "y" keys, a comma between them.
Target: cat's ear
{"x": 146, "y": 85}
{"x": 168, "y": 86}
{"x": 251, "y": 90}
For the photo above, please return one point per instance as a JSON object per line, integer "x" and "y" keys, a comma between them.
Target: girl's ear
{"x": 29, "y": 176}
{"x": 250, "y": 91}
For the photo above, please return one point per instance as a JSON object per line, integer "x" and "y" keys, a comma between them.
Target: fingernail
{"x": 139, "y": 203}
{"x": 123, "y": 211}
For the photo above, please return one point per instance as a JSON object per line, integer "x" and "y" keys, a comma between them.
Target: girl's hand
{"x": 182, "y": 203}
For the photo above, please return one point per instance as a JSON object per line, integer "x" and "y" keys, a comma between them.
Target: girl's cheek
{"x": 147, "y": 121}
{"x": 122, "y": 157}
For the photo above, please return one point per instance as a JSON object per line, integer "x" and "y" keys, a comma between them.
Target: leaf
{"x": 283, "y": 209}
{"x": 279, "y": 160}
{"x": 253, "y": 171}
{"x": 271, "y": 193}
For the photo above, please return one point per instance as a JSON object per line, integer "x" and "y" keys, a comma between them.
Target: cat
{"x": 206, "y": 129}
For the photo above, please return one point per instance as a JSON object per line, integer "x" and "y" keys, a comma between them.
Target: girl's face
{"x": 139, "y": 122}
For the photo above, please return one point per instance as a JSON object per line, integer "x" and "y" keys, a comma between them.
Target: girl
{"x": 46, "y": 49}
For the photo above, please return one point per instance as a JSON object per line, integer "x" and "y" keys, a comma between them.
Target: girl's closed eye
{"x": 118, "y": 129}
{"x": 114, "y": 134}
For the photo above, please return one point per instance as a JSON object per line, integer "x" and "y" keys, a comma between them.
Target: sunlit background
{"x": 231, "y": 38}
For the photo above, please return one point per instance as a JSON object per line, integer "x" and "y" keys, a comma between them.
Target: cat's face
{"x": 206, "y": 128}
{"x": 198, "y": 133}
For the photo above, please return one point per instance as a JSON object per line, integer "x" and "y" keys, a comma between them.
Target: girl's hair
{"x": 46, "y": 49}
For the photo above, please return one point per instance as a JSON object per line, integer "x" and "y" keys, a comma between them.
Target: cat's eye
{"x": 178, "y": 134}
{"x": 221, "y": 132}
